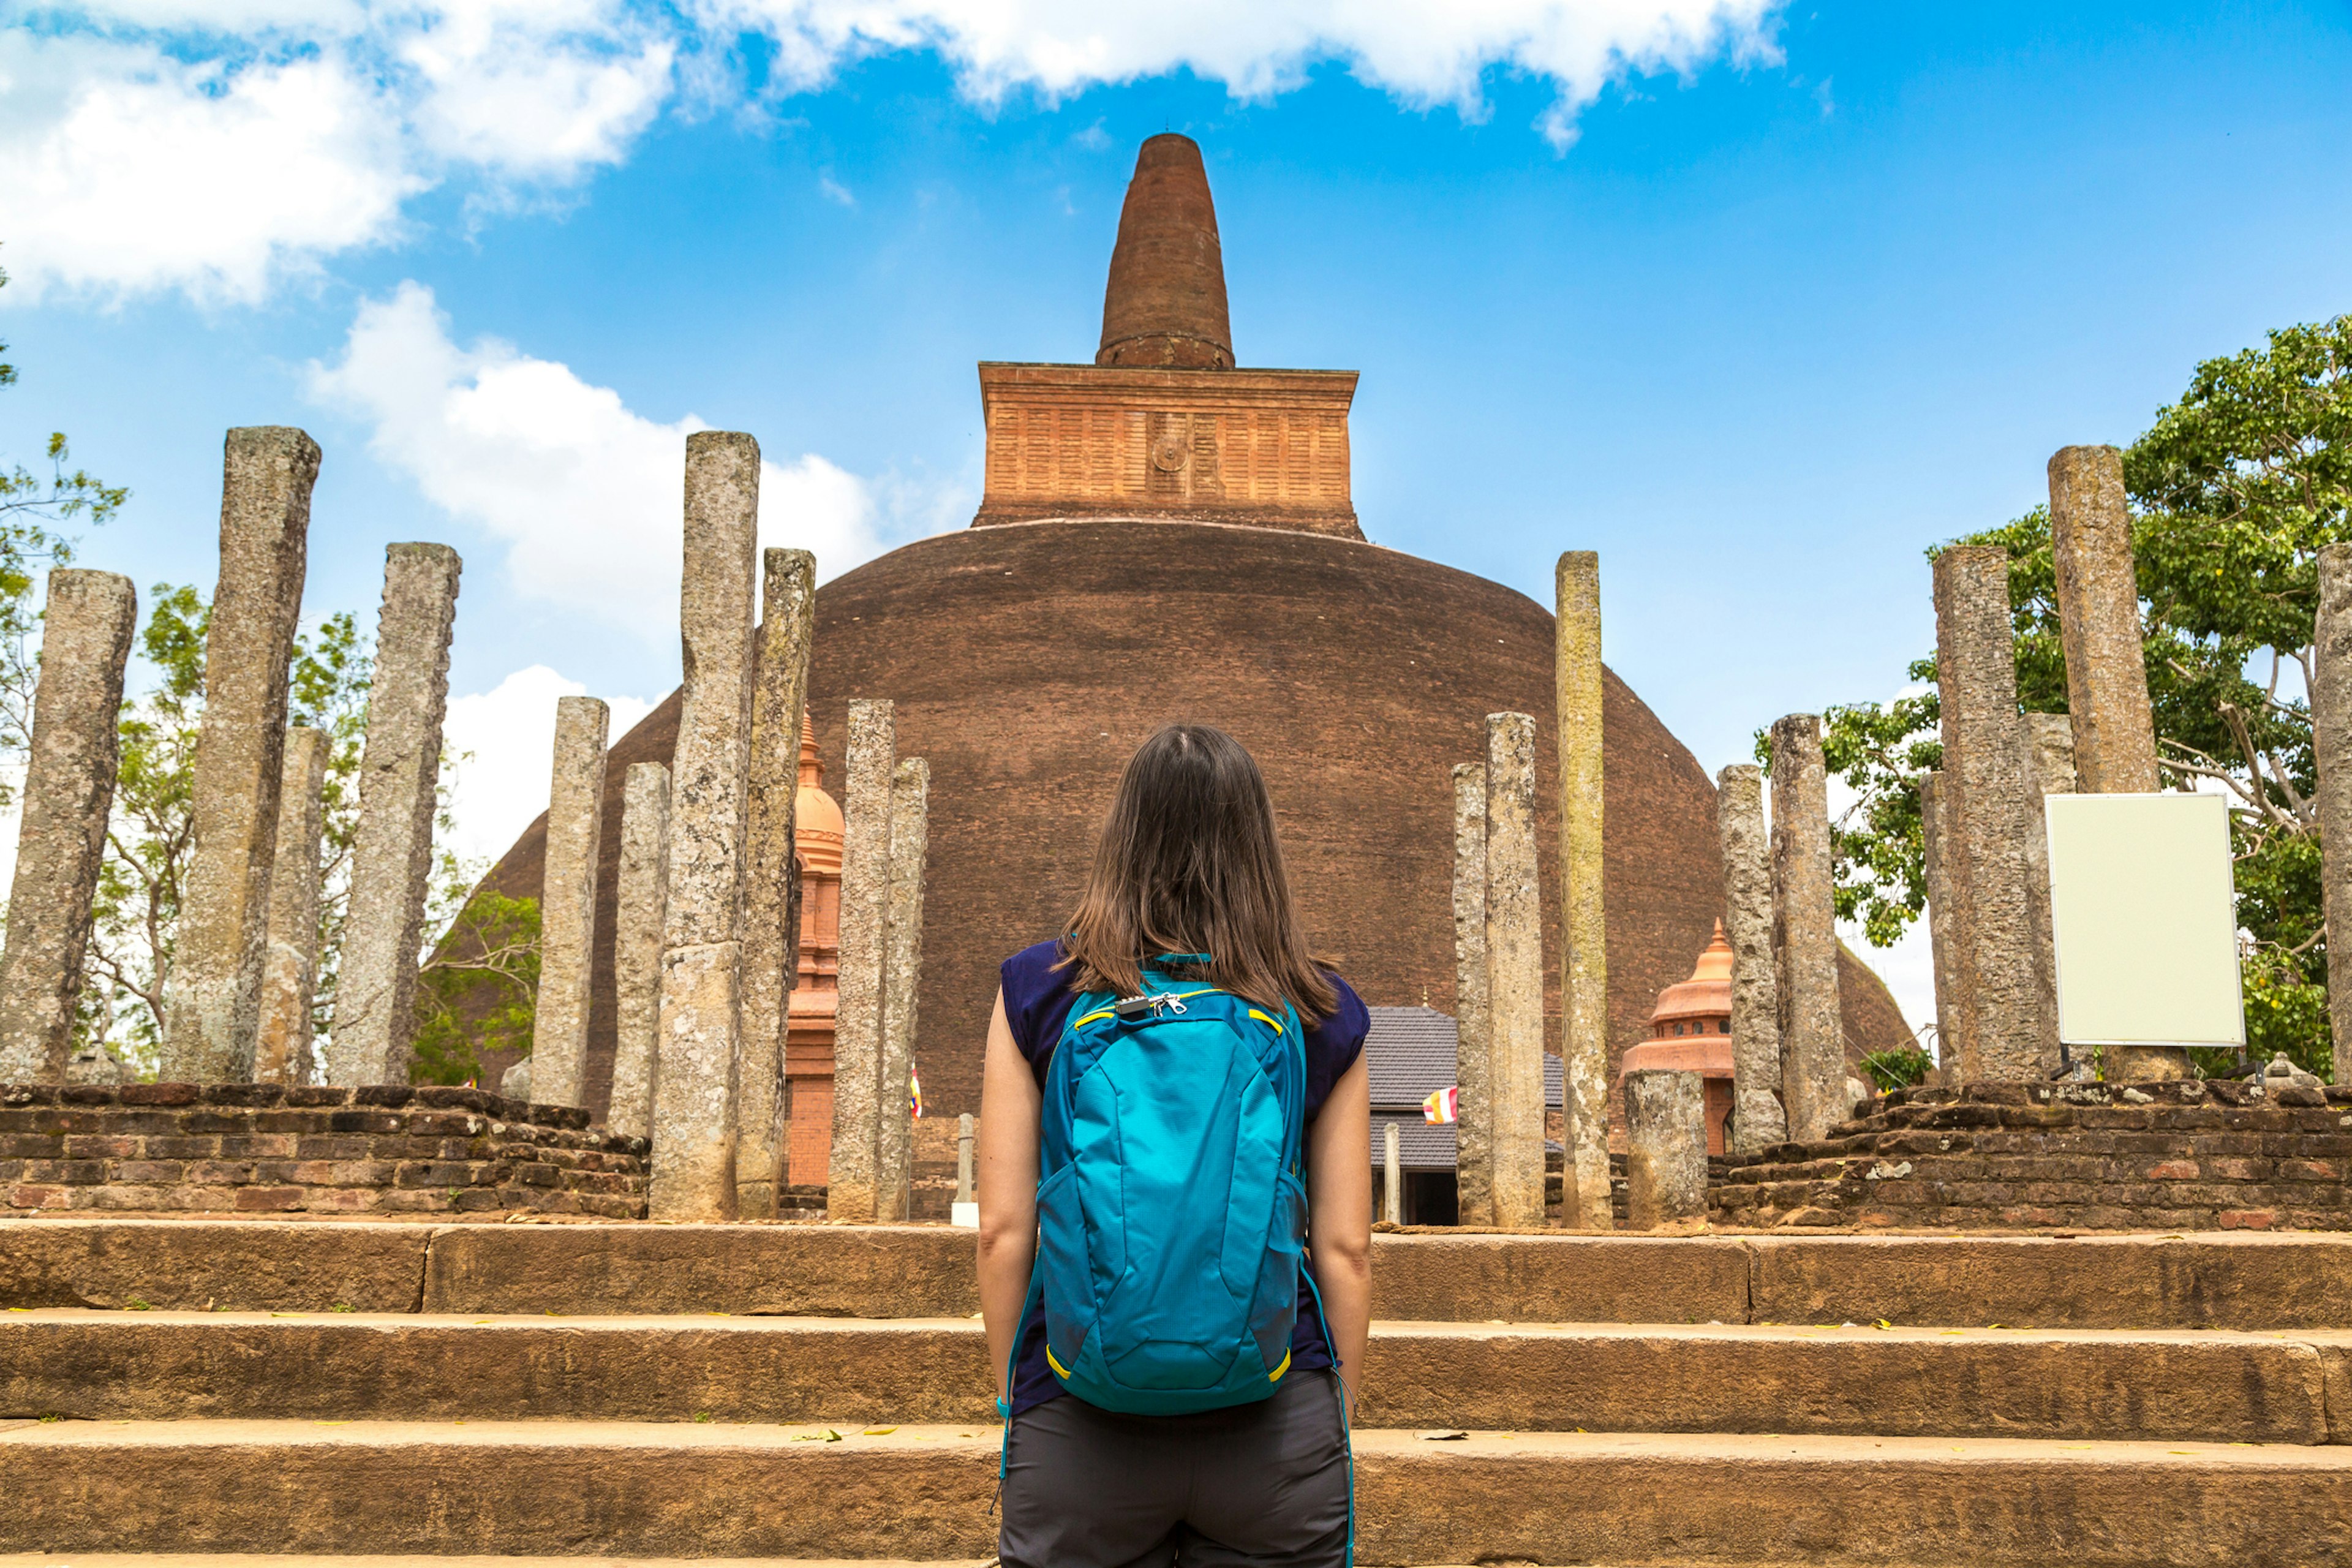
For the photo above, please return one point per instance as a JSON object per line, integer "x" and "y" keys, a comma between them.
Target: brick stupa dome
{"x": 1181, "y": 543}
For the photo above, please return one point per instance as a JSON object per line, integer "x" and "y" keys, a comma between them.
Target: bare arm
{"x": 1007, "y": 1189}
{"x": 1339, "y": 1201}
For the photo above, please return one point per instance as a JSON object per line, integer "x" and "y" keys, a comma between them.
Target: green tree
{"x": 34, "y": 512}
{"x": 478, "y": 990}
{"x": 2234, "y": 489}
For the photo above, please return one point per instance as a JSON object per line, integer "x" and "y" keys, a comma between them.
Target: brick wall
{"x": 2155, "y": 1156}
{"x": 247, "y": 1148}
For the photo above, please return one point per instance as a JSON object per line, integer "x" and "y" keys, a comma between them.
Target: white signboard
{"x": 2144, "y": 920}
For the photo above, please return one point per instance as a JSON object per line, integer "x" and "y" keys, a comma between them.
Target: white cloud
{"x": 218, "y": 146}
{"x": 1424, "y": 51}
{"x": 585, "y": 492}
{"x": 510, "y": 731}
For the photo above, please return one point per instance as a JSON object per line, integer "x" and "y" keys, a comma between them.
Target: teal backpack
{"x": 1171, "y": 1203}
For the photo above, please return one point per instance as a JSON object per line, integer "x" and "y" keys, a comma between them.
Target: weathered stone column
{"x": 1757, "y": 1121}
{"x": 963, "y": 1159}
{"x": 1583, "y": 931}
{"x": 69, "y": 790}
{"x": 392, "y": 854}
{"x": 2049, "y": 741}
{"x": 283, "y": 1048}
{"x": 693, "y": 1175}
{"x": 212, "y": 999}
{"x": 893, "y": 1138}
{"x": 851, "y": 1176}
{"x": 2098, "y": 613}
{"x": 1392, "y": 1174}
{"x": 1804, "y": 933}
{"x": 567, "y": 901}
{"x": 1988, "y": 816}
{"x": 772, "y": 875}
{"x": 1665, "y": 1148}
{"x": 1515, "y": 973}
{"x": 637, "y": 946}
{"x": 1955, "y": 1012}
{"x": 1474, "y": 1133}
{"x": 2331, "y": 750}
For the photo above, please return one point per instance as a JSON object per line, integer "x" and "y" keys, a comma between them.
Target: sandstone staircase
{"x": 357, "y": 1389}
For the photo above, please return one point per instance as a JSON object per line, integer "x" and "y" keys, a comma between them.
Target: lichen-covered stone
{"x": 283, "y": 1047}
{"x": 213, "y": 995}
{"x": 2331, "y": 747}
{"x": 1804, "y": 932}
{"x": 850, "y": 1175}
{"x": 772, "y": 875}
{"x": 701, "y": 1002}
{"x": 637, "y": 946}
{"x": 1474, "y": 1136}
{"x": 68, "y": 789}
{"x": 1583, "y": 929}
{"x": 1757, "y": 1121}
{"x": 1514, "y": 971}
{"x": 1990, "y": 817}
{"x": 567, "y": 903}
{"x": 2098, "y": 613}
{"x": 1955, "y": 1048}
{"x": 1665, "y": 1148}
{"x": 902, "y": 968}
{"x": 392, "y": 852}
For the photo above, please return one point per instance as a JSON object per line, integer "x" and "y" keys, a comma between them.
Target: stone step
{"x": 925, "y": 1493}
{"x": 2224, "y": 1280}
{"x": 342, "y": 1560}
{"x": 1900, "y": 1381}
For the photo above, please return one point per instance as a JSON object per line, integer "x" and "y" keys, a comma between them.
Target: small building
{"x": 1411, "y": 1054}
{"x": 1690, "y": 1031}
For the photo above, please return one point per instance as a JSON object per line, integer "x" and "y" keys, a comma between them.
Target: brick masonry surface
{"x": 2207, "y": 1155}
{"x": 252, "y": 1148}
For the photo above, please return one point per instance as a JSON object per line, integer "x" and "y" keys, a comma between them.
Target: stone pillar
{"x": 2049, "y": 741}
{"x": 2099, "y": 613}
{"x": 1584, "y": 932}
{"x": 1392, "y": 1174}
{"x": 283, "y": 1048}
{"x": 567, "y": 902}
{"x": 1515, "y": 1021}
{"x": 893, "y": 1138}
{"x": 693, "y": 1175}
{"x": 1665, "y": 1147}
{"x": 69, "y": 790}
{"x": 963, "y": 1159}
{"x": 1955, "y": 1012}
{"x": 1474, "y": 1133}
{"x": 211, "y": 998}
{"x": 1757, "y": 1121}
{"x": 2331, "y": 750}
{"x": 851, "y": 1176}
{"x": 637, "y": 946}
{"x": 392, "y": 855}
{"x": 1804, "y": 933}
{"x": 1990, "y": 817}
{"x": 772, "y": 875}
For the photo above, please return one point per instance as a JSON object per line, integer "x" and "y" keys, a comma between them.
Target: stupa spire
{"x": 1165, "y": 306}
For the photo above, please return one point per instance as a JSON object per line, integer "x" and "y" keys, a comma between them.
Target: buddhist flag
{"x": 1445, "y": 1105}
{"x": 914, "y": 1092}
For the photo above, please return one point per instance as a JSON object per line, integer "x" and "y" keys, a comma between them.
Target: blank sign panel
{"x": 2145, "y": 918}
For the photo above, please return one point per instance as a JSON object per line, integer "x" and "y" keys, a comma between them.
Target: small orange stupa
{"x": 816, "y": 992}
{"x": 1690, "y": 1031}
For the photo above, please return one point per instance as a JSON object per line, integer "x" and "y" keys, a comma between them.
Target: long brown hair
{"x": 1188, "y": 862}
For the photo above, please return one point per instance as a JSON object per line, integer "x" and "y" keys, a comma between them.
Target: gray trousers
{"x": 1258, "y": 1484}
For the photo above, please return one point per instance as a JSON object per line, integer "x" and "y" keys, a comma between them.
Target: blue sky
{"x": 1756, "y": 300}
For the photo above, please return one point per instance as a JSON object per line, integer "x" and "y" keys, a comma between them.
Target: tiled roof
{"x": 1411, "y": 1054}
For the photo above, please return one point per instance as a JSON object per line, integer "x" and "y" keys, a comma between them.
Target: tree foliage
{"x": 2234, "y": 489}
{"x": 479, "y": 990}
